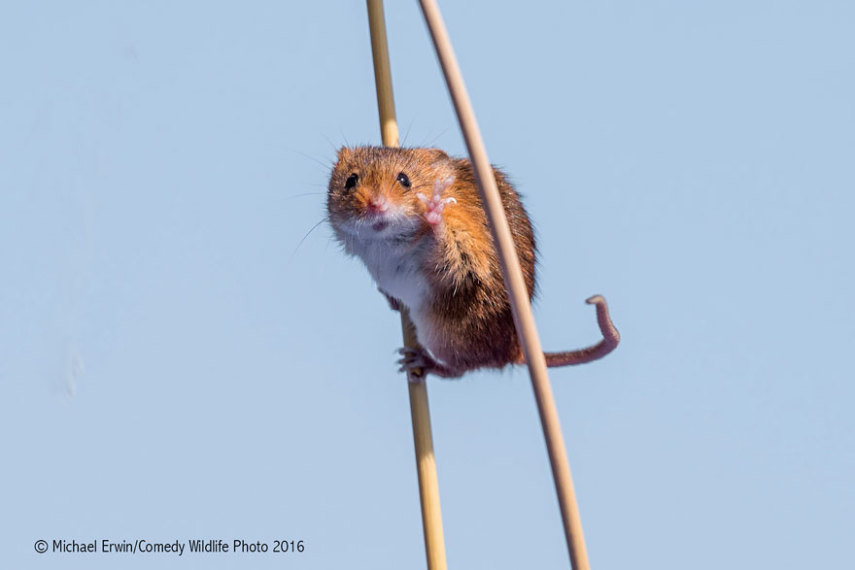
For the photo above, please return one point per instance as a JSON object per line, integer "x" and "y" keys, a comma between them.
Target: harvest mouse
{"x": 414, "y": 217}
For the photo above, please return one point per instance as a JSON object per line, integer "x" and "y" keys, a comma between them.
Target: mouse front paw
{"x": 436, "y": 203}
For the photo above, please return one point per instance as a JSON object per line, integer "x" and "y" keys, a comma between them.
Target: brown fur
{"x": 468, "y": 306}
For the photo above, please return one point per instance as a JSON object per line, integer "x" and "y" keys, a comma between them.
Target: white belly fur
{"x": 399, "y": 275}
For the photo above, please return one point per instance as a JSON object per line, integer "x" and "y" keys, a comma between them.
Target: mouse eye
{"x": 404, "y": 180}
{"x": 351, "y": 181}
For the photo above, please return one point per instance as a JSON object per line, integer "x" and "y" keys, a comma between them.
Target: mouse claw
{"x": 412, "y": 358}
{"x": 418, "y": 363}
{"x": 415, "y": 362}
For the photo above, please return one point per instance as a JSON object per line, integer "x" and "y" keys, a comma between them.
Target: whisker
{"x": 310, "y": 157}
{"x": 332, "y": 144}
{"x": 313, "y": 228}
{"x": 433, "y": 141}
{"x": 346, "y": 143}
{"x": 407, "y": 133}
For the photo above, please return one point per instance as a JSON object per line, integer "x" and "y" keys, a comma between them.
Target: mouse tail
{"x": 611, "y": 338}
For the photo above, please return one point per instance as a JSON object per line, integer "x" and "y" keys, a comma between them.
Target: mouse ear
{"x": 344, "y": 153}
{"x": 437, "y": 155}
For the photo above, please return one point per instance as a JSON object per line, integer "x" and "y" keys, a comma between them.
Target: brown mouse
{"x": 414, "y": 217}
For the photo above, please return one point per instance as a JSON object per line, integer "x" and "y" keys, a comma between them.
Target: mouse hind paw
{"x": 415, "y": 360}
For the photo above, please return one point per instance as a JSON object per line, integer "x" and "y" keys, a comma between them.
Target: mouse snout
{"x": 377, "y": 205}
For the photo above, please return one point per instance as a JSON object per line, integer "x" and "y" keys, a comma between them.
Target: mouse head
{"x": 372, "y": 190}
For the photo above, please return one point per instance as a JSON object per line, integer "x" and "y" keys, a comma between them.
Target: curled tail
{"x": 611, "y": 338}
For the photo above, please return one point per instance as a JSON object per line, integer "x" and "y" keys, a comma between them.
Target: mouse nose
{"x": 378, "y": 205}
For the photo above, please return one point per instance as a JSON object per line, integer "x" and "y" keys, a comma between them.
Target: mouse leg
{"x": 419, "y": 359}
{"x": 436, "y": 203}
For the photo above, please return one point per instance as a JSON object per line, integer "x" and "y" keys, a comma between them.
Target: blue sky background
{"x": 176, "y": 364}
